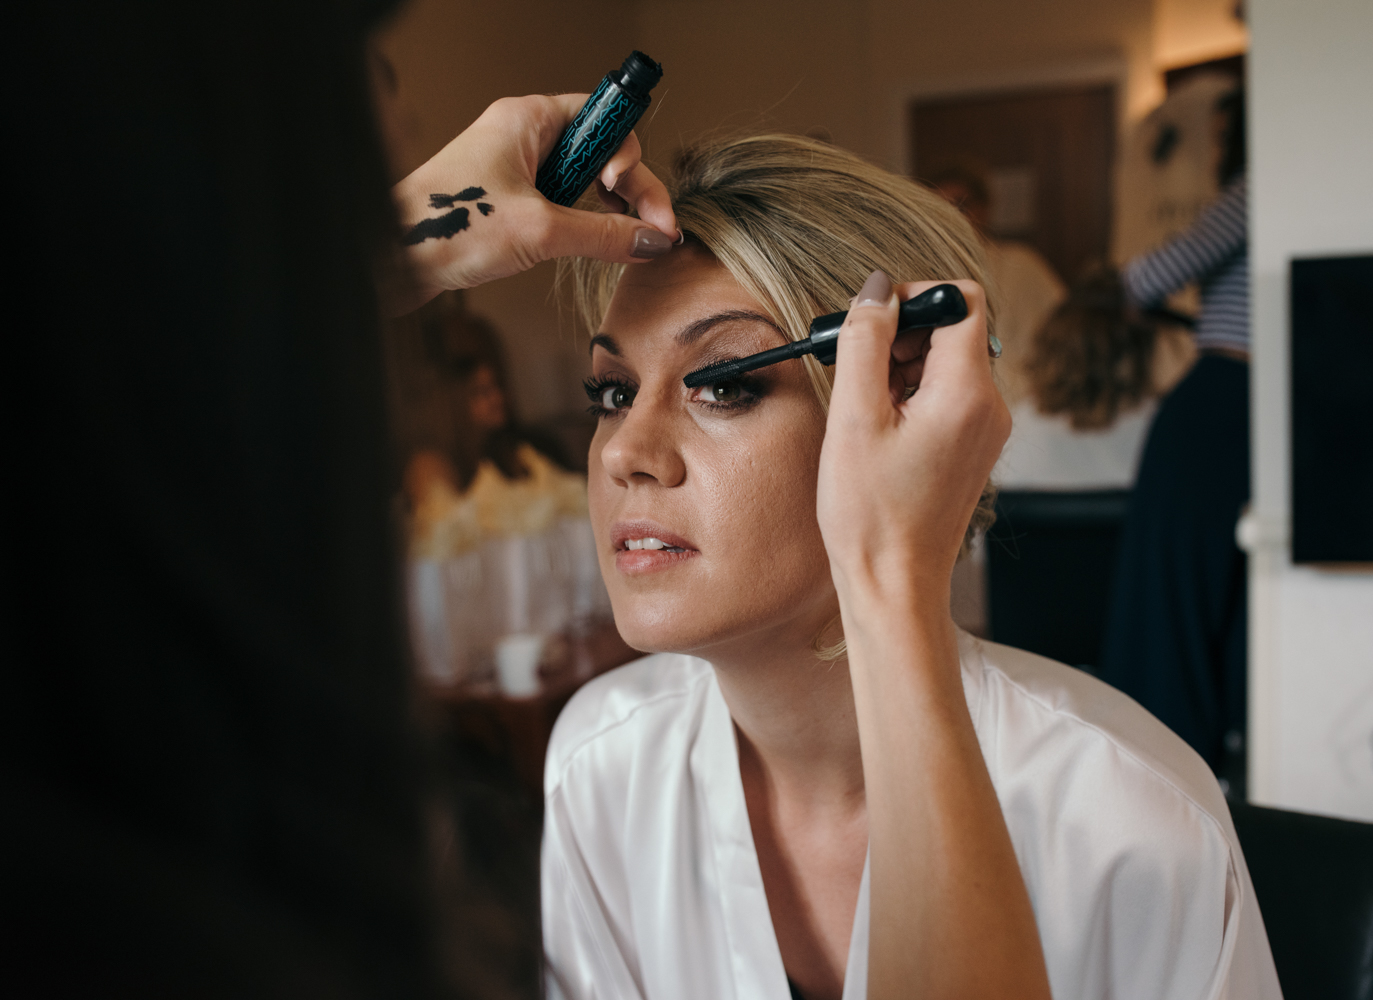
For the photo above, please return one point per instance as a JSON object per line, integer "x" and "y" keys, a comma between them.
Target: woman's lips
{"x": 646, "y": 547}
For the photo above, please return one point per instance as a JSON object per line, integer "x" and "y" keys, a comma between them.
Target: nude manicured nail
{"x": 649, "y": 243}
{"x": 876, "y": 291}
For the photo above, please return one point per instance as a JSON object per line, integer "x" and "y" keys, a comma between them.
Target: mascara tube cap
{"x": 638, "y": 75}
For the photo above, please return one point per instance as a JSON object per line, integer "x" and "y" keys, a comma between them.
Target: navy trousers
{"x": 1175, "y": 634}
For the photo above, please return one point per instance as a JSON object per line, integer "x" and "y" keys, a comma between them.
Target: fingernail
{"x": 876, "y": 291}
{"x": 649, "y": 243}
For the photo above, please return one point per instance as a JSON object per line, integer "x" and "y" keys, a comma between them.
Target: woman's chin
{"x": 649, "y": 630}
{"x": 651, "y": 640}
{"x": 722, "y": 620}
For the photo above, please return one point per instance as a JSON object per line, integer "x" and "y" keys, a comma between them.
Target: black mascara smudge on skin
{"x": 442, "y": 228}
{"x": 484, "y": 208}
{"x": 449, "y": 200}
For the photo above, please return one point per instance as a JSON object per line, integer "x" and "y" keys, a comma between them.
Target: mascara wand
{"x": 941, "y": 305}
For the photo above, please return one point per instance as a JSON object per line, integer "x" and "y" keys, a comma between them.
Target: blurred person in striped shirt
{"x": 1176, "y": 635}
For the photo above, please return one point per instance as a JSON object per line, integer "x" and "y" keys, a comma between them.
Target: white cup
{"x": 517, "y": 663}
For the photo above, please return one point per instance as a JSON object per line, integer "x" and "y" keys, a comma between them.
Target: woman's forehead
{"x": 674, "y": 288}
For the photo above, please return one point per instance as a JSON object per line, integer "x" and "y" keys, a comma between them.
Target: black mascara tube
{"x": 604, "y": 122}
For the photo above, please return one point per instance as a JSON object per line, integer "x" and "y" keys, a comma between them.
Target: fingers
{"x": 862, "y": 376}
{"x": 624, "y": 174}
{"x": 612, "y": 201}
{"x": 564, "y": 109}
{"x": 956, "y": 353}
{"x": 628, "y": 177}
{"x": 955, "y": 376}
{"x": 948, "y": 361}
{"x": 970, "y": 333}
{"x": 624, "y": 183}
{"x": 910, "y": 373}
{"x": 625, "y": 159}
{"x": 649, "y": 197}
{"x": 532, "y": 123}
{"x": 910, "y": 345}
{"x": 568, "y": 232}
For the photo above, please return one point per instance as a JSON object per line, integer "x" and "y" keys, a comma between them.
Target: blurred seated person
{"x": 1090, "y": 372}
{"x": 1025, "y": 287}
{"x": 482, "y": 474}
{"x": 1091, "y": 394}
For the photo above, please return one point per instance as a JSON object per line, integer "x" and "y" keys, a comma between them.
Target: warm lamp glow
{"x": 1193, "y": 31}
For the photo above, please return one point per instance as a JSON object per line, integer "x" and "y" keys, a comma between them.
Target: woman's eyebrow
{"x": 693, "y": 332}
{"x": 606, "y": 341}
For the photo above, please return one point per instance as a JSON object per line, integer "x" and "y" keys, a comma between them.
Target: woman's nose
{"x": 642, "y": 448}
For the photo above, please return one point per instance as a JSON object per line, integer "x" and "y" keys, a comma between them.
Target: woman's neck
{"x": 795, "y": 717}
{"x": 802, "y": 776}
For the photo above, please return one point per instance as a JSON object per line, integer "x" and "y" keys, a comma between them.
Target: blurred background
{"x": 1079, "y": 137}
{"x": 1043, "y": 93}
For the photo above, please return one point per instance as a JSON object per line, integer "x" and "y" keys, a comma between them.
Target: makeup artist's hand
{"x": 471, "y": 214}
{"x": 899, "y": 479}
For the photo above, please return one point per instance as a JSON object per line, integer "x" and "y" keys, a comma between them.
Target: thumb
{"x": 863, "y": 364}
{"x": 603, "y": 235}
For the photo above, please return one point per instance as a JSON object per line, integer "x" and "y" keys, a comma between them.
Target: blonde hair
{"x": 800, "y": 225}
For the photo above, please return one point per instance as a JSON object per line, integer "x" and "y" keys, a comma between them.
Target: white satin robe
{"x": 652, "y": 890}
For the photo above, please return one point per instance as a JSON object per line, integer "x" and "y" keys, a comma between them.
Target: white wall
{"x": 1311, "y": 630}
{"x": 924, "y": 47}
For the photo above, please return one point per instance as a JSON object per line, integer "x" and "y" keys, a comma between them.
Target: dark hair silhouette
{"x": 213, "y": 782}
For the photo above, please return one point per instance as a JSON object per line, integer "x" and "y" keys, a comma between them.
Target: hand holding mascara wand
{"x": 942, "y": 305}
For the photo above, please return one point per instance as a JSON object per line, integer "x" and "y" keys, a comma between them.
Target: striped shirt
{"x": 1214, "y": 253}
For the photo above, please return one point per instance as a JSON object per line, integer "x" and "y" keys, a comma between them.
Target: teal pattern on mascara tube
{"x": 604, "y": 122}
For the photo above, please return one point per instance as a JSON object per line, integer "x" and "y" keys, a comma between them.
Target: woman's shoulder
{"x": 1124, "y": 839}
{"x": 1050, "y": 730}
{"x": 611, "y": 717}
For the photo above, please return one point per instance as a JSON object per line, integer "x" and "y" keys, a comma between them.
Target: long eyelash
{"x": 594, "y": 386}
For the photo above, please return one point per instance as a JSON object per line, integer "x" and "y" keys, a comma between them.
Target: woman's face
{"x": 485, "y": 400}
{"x": 703, "y": 500}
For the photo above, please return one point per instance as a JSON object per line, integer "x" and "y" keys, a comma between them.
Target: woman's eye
{"x": 722, "y": 392}
{"x": 608, "y": 396}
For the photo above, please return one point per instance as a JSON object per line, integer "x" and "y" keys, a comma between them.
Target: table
{"x": 518, "y": 729}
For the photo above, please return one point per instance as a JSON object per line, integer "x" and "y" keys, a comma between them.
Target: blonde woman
{"x": 817, "y": 787}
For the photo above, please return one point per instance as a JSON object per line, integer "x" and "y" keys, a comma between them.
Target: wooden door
{"x": 1048, "y": 155}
